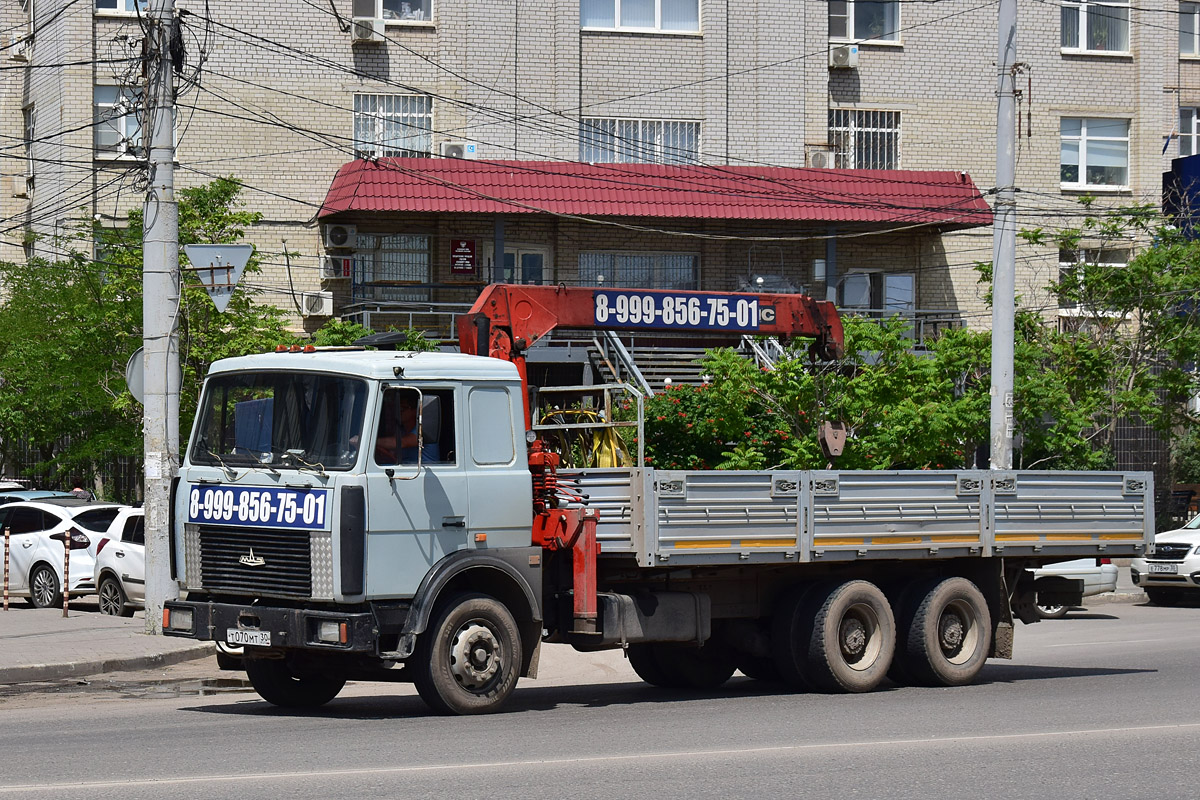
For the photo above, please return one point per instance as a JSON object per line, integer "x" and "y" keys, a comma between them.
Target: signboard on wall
{"x": 462, "y": 257}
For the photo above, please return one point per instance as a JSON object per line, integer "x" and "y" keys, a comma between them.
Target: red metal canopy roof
{"x": 435, "y": 185}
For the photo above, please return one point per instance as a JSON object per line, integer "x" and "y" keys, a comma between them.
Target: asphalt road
{"x": 1099, "y": 705}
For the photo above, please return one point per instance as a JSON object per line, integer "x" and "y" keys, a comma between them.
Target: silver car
{"x": 1097, "y": 574}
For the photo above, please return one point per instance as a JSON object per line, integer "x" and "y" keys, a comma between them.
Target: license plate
{"x": 1164, "y": 569}
{"x": 256, "y": 638}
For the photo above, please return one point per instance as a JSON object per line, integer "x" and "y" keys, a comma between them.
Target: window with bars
{"x": 865, "y": 139}
{"x": 638, "y": 141}
{"x": 385, "y": 263}
{"x": 30, "y": 123}
{"x": 1094, "y": 153}
{"x": 864, "y": 20}
{"x": 393, "y": 125}
{"x": 1100, "y": 27}
{"x": 639, "y": 270}
{"x": 1189, "y": 133}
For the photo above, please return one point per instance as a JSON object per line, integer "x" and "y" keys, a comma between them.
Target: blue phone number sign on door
{"x": 264, "y": 506}
{"x": 664, "y": 310}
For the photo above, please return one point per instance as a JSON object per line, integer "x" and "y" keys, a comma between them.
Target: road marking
{"x": 132, "y": 783}
{"x": 1119, "y": 641}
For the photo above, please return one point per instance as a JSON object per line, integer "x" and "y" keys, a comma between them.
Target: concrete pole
{"x": 160, "y": 305}
{"x": 1004, "y": 243}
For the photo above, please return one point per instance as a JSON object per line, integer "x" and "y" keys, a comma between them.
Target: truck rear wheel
{"x": 853, "y": 639}
{"x": 469, "y": 658}
{"x": 681, "y": 666}
{"x": 276, "y": 683}
{"x": 945, "y": 634}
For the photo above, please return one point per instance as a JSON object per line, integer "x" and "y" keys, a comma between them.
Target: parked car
{"x": 121, "y": 564}
{"x": 36, "y": 560}
{"x": 1172, "y": 574}
{"x": 1097, "y": 574}
{"x": 17, "y": 495}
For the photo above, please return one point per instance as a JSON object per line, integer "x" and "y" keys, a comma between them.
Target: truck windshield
{"x": 281, "y": 420}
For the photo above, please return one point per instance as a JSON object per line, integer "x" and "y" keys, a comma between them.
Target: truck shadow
{"x": 532, "y": 698}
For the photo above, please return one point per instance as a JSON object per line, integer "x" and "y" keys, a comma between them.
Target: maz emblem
{"x": 252, "y": 560}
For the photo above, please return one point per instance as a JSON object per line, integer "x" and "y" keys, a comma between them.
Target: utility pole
{"x": 1004, "y": 242}
{"x": 160, "y": 306}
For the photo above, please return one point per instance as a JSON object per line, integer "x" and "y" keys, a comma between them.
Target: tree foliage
{"x": 68, "y": 328}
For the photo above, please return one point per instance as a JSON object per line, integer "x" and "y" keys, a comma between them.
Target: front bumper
{"x": 1186, "y": 575}
{"x": 287, "y": 628}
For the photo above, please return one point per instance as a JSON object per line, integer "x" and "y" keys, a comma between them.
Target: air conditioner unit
{"x": 458, "y": 149}
{"x": 316, "y": 304}
{"x": 340, "y": 236}
{"x": 336, "y": 267}
{"x": 843, "y": 57}
{"x": 19, "y": 185}
{"x": 821, "y": 157}
{"x": 366, "y": 29}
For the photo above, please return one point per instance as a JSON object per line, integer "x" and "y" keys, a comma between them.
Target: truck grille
{"x": 1170, "y": 551}
{"x": 256, "y": 561}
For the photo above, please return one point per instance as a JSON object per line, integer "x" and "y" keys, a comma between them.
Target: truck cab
{"x": 327, "y": 498}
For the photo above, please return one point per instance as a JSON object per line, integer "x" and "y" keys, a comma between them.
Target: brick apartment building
{"x": 283, "y": 97}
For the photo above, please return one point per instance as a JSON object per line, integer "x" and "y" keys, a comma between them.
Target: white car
{"x": 1098, "y": 577}
{"x": 121, "y": 564}
{"x": 1172, "y": 574}
{"x": 36, "y": 560}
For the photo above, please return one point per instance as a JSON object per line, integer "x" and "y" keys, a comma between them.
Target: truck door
{"x": 417, "y": 514}
{"x": 500, "y": 485}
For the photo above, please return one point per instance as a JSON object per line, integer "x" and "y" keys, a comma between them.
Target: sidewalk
{"x": 38, "y": 644}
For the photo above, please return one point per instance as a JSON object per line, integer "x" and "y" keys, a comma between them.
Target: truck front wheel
{"x": 945, "y": 634}
{"x": 276, "y": 683}
{"x": 469, "y": 658}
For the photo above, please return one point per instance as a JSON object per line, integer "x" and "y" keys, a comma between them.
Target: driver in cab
{"x": 397, "y": 439}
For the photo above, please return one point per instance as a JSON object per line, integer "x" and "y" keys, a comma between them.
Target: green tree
{"x": 68, "y": 328}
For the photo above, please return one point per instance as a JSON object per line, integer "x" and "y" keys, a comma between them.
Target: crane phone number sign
{"x": 304, "y": 509}
{"x": 716, "y": 312}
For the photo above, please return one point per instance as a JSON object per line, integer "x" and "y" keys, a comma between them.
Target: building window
{"x": 865, "y": 139}
{"x": 1100, "y": 27}
{"x": 30, "y": 122}
{"x": 392, "y": 125}
{"x": 1189, "y": 144}
{"x": 123, "y": 6}
{"x": 1095, "y": 152}
{"x": 640, "y": 270}
{"x": 1074, "y": 267}
{"x": 863, "y": 20}
{"x": 681, "y": 16}
{"x": 878, "y": 292}
{"x": 394, "y": 10}
{"x": 638, "y": 141}
{"x": 1189, "y": 29}
{"x": 118, "y": 129}
{"x": 386, "y": 267}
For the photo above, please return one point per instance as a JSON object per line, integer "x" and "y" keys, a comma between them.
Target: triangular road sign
{"x": 219, "y": 267}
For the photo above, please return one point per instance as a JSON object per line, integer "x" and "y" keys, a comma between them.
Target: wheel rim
{"x": 1050, "y": 610}
{"x": 476, "y": 656}
{"x": 110, "y": 599}
{"x": 859, "y": 637}
{"x": 958, "y": 632}
{"x": 44, "y": 587}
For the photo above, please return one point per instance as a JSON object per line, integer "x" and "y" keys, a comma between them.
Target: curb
{"x": 1137, "y": 596}
{"x": 33, "y": 673}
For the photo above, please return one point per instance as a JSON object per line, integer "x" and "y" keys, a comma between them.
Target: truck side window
{"x": 491, "y": 425}
{"x": 396, "y": 434}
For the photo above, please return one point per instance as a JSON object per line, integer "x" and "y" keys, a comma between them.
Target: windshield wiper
{"x": 306, "y": 466}
{"x": 230, "y": 472}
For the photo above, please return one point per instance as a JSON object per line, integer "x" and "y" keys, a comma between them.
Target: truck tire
{"x": 852, "y": 639}
{"x": 758, "y": 668}
{"x": 276, "y": 683}
{"x": 791, "y": 628}
{"x": 945, "y": 634}
{"x": 469, "y": 658}
{"x": 644, "y": 660}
